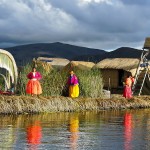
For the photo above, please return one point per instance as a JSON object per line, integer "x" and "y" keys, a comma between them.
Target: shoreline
{"x": 27, "y": 104}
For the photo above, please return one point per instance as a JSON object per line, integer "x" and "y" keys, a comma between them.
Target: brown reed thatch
{"x": 47, "y": 67}
{"x": 127, "y": 64}
{"x": 27, "y": 104}
{"x": 115, "y": 70}
{"x": 81, "y": 65}
{"x": 147, "y": 43}
{"x": 54, "y": 62}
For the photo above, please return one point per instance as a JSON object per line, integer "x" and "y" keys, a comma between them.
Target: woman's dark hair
{"x": 129, "y": 75}
{"x": 33, "y": 68}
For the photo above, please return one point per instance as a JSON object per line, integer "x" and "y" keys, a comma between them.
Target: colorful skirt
{"x": 33, "y": 87}
{"x": 127, "y": 92}
{"x": 73, "y": 91}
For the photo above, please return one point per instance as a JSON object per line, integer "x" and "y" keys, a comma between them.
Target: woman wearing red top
{"x": 127, "y": 93}
{"x": 33, "y": 85}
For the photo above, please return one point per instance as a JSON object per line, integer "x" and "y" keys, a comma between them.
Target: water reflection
{"x": 34, "y": 135}
{"x": 7, "y": 133}
{"x": 128, "y": 131}
{"x": 104, "y": 130}
{"x": 7, "y": 137}
{"x": 74, "y": 130}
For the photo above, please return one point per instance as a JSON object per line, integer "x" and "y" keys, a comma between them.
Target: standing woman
{"x": 33, "y": 86}
{"x": 127, "y": 92}
{"x": 73, "y": 85}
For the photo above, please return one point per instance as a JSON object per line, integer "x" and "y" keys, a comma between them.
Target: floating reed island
{"x": 28, "y": 104}
{"x": 55, "y": 91}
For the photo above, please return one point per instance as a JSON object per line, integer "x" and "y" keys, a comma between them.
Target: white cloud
{"x": 104, "y": 24}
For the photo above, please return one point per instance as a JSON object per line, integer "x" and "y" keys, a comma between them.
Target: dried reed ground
{"x": 27, "y": 104}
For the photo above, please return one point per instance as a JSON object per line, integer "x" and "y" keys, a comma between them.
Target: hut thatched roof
{"x": 82, "y": 65}
{"x": 127, "y": 64}
{"x": 54, "y": 61}
{"x": 118, "y": 63}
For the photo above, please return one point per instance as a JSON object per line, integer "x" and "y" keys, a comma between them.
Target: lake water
{"x": 103, "y": 130}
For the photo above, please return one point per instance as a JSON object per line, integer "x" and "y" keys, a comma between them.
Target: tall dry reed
{"x": 54, "y": 82}
{"x": 90, "y": 83}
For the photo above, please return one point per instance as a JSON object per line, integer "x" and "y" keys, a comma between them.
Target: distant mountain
{"x": 123, "y": 52}
{"x": 25, "y": 53}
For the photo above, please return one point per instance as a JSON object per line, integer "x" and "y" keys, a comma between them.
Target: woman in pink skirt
{"x": 127, "y": 92}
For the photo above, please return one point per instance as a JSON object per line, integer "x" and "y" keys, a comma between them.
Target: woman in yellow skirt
{"x": 33, "y": 86}
{"x": 73, "y": 85}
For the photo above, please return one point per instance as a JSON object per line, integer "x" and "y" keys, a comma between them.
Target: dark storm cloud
{"x": 120, "y": 21}
{"x": 103, "y": 24}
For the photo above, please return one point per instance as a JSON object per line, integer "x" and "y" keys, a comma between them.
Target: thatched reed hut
{"x": 115, "y": 70}
{"x": 57, "y": 63}
{"x": 80, "y": 65}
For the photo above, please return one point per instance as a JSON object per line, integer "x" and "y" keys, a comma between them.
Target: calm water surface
{"x": 104, "y": 130}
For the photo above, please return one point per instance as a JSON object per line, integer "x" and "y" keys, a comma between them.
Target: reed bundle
{"x": 28, "y": 104}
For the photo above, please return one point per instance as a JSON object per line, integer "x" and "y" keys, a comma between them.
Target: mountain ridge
{"x": 25, "y": 53}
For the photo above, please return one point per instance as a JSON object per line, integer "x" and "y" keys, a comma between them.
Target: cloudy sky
{"x": 102, "y": 24}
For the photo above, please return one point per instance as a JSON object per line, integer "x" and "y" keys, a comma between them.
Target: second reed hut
{"x": 80, "y": 65}
{"x": 115, "y": 70}
{"x": 57, "y": 63}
